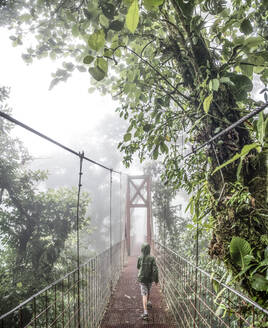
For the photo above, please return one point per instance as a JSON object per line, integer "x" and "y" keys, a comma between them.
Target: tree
{"x": 183, "y": 66}
{"x": 34, "y": 224}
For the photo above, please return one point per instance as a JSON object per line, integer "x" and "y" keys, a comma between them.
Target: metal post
{"x": 128, "y": 217}
{"x": 165, "y": 218}
{"x": 196, "y": 266}
{"x": 149, "y": 222}
{"x": 78, "y": 237}
{"x": 120, "y": 218}
{"x": 111, "y": 241}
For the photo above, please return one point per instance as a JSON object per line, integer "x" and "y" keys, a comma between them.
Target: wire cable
{"x": 13, "y": 120}
{"x": 232, "y": 126}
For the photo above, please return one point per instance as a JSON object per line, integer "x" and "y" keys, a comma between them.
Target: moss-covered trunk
{"x": 239, "y": 206}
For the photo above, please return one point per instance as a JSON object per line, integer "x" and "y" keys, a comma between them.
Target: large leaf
{"x": 239, "y": 249}
{"x": 246, "y": 69}
{"x": 253, "y": 42}
{"x": 245, "y": 150}
{"x": 127, "y": 137}
{"x": 116, "y": 25}
{"x": 102, "y": 64}
{"x": 88, "y": 59}
{"x": 207, "y": 102}
{"x": 261, "y": 128}
{"x": 242, "y": 86}
{"x": 108, "y": 9}
{"x": 97, "y": 73}
{"x": 152, "y": 4}
{"x": 96, "y": 40}
{"x": 246, "y": 26}
{"x": 259, "y": 283}
{"x": 132, "y": 18}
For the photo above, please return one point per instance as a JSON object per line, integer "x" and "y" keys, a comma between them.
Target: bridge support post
{"x": 138, "y": 196}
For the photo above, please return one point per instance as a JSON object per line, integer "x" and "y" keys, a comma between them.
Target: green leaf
{"x": 88, "y": 59}
{"x": 108, "y": 52}
{"x": 253, "y": 42}
{"x": 241, "y": 82}
{"x": 163, "y": 148}
{"x": 147, "y": 127}
{"x": 245, "y": 150}
{"x": 116, "y": 25}
{"x": 132, "y": 18}
{"x": 239, "y": 248}
{"x": 246, "y": 27}
{"x": 216, "y": 285}
{"x": 19, "y": 284}
{"x": 96, "y": 40}
{"x": 215, "y": 84}
{"x": 127, "y": 137}
{"x": 261, "y": 128}
{"x": 155, "y": 153}
{"x": 242, "y": 85}
{"x": 104, "y": 21}
{"x": 226, "y": 79}
{"x": 207, "y": 102}
{"x": 152, "y": 4}
{"x": 97, "y": 73}
{"x": 247, "y": 69}
{"x": 239, "y": 168}
{"x": 102, "y": 64}
{"x": 108, "y": 9}
{"x": 259, "y": 283}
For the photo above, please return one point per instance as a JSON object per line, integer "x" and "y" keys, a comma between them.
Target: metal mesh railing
{"x": 58, "y": 305}
{"x": 199, "y": 300}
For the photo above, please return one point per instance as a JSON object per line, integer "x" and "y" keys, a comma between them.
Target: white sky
{"x": 63, "y": 113}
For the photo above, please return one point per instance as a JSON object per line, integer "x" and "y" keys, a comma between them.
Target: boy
{"x": 148, "y": 273}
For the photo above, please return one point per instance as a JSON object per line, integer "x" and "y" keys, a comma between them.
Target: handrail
{"x": 67, "y": 276}
{"x": 244, "y": 297}
{"x": 198, "y": 300}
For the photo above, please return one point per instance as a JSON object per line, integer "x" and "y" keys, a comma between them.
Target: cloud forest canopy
{"x": 35, "y": 223}
{"x": 177, "y": 67}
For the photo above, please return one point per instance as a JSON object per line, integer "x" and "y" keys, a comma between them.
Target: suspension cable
{"x": 196, "y": 272}
{"x": 120, "y": 219}
{"x": 13, "y": 120}
{"x": 78, "y": 235}
{"x": 111, "y": 235}
{"x": 232, "y": 126}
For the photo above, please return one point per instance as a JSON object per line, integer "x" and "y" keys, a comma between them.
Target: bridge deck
{"x": 125, "y": 306}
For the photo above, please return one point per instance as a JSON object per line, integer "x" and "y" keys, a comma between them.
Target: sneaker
{"x": 149, "y": 304}
{"x": 145, "y": 316}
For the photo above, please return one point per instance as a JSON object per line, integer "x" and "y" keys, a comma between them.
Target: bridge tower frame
{"x": 144, "y": 181}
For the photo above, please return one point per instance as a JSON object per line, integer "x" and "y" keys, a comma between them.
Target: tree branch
{"x": 159, "y": 73}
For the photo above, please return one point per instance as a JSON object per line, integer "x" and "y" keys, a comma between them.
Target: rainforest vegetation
{"x": 182, "y": 71}
{"x": 34, "y": 224}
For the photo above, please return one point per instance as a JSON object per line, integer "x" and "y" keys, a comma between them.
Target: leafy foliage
{"x": 239, "y": 249}
{"x": 34, "y": 224}
{"x": 177, "y": 67}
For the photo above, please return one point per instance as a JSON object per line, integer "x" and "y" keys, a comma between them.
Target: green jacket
{"x": 148, "y": 271}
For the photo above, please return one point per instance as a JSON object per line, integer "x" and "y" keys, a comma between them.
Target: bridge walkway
{"x": 125, "y": 307}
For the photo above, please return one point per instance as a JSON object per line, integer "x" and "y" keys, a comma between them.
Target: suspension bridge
{"x": 103, "y": 292}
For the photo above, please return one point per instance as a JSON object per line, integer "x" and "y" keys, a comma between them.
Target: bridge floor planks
{"x": 125, "y": 307}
